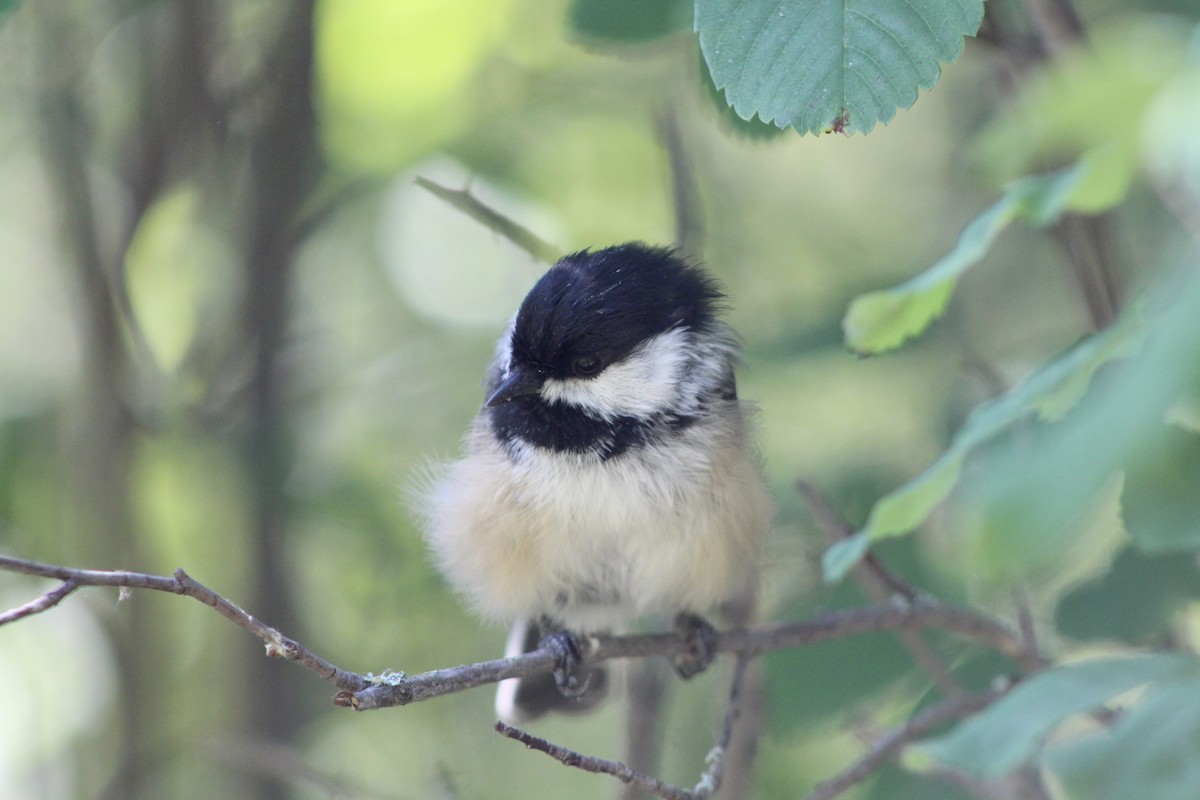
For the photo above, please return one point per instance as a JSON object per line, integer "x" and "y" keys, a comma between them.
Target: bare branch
{"x": 896, "y": 615}
{"x": 493, "y": 220}
{"x": 689, "y": 218}
{"x": 593, "y": 764}
{"x": 891, "y": 743}
{"x": 278, "y": 645}
{"x": 872, "y": 573}
{"x": 710, "y": 779}
{"x": 365, "y": 692}
{"x": 48, "y": 600}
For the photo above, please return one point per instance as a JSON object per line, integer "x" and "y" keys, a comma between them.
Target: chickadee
{"x": 609, "y": 475}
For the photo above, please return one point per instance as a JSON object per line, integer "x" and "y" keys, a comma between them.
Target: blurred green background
{"x": 233, "y": 330}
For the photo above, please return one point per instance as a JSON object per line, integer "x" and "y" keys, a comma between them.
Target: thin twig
{"x": 879, "y": 582}
{"x": 1058, "y": 26}
{"x": 36, "y": 606}
{"x": 710, "y": 779}
{"x": 689, "y": 219}
{"x": 493, "y": 220}
{"x": 1025, "y": 621}
{"x": 891, "y": 743}
{"x": 278, "y": 645}
{"x": 593, "y": 764}
{"x": 836, "y": 529}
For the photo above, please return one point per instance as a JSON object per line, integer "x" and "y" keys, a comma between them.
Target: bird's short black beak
{"x": 520, "y": 382}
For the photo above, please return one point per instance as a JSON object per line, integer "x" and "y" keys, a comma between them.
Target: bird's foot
{"x": 700, "y": 639}
{"x": 568, "y": 658}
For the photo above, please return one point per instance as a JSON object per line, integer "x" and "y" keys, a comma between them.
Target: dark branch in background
{"x": 685, "y": 199}
{"x": 1086, "y": 239}
{"x": 493, "y": 220}
{"x": 290, "y": 767}
{"x": 718, "y": 757}
{"x": 647, "y": 680}
{"x": 645, "y": 689}
{"x": 284, "y": 166}
{"x": 879, "y": 583}
{"x": 101, "y": 433}
{"x": 891, "y": 743}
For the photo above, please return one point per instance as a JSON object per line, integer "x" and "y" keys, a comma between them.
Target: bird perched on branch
{"x": 609, "y": 475}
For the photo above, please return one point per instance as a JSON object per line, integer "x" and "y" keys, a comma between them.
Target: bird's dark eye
{"x": 586, "y": 366}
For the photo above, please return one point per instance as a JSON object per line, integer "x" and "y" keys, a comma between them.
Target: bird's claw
{"x": 700, "y": 639}
{"x": 570, "y": 679}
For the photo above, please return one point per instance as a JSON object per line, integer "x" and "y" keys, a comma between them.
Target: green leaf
{"x": 753, "y": 129}
{"x": 820, "y": 65}
{"x": 1149, "y": 753}
{"x": 882, "y": 320}
{"x": 1162, "y": 493}
{"x": 1010, "y": 732}
{"x": 1041, "y": 491}
{"x": 629, "y": 20}
{"x": 841, "y": 557}
{"x": 1058, "y": 396}
{"x": 1049, "y": 390}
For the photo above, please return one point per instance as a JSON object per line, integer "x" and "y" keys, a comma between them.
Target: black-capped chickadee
{"x": 610, "y": 474}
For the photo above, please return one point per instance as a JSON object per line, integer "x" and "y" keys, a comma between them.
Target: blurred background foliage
{"x": 233, "y": 330}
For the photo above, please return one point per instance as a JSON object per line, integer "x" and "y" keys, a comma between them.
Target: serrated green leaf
{"x": 1061, "y": 381}
{"x": 1010, "y": 732}
{"x": 819, "y": 65}
{"x": 752, "y": 129}
{"x": 629, "y": 21}
{"x": 882, "y": 320}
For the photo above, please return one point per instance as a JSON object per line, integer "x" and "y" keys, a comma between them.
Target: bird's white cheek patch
{"x": 646, "y": 382}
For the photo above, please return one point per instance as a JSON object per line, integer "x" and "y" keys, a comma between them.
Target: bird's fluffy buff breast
{"x": 593, "y": 543}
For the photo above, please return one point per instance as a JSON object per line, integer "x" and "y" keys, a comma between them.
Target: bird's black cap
{"x": 601, "y": 304}
{"x": 590, "y": 310}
